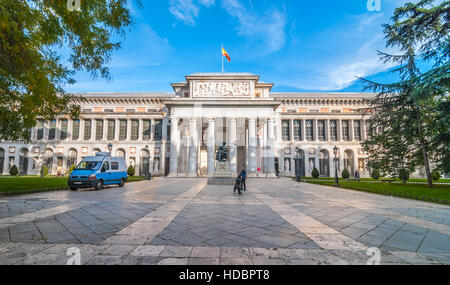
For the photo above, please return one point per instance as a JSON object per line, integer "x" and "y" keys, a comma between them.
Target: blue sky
{"x": 300, "y": 45}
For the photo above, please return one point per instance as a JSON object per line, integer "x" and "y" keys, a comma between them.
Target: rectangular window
{"x": 286, "y": 130}
{"x": 147, "y": 130}
{"x": 76, "y": 130}
{"x": 134, "y": 130}
{"x": 310, "y": 130}
{"x": 111, "y": 129}
{"x": 158, "y": 130}
{"x": 99, "y": 130}
{"x": 333, "y": 130}
{"x": 40, "y": 130}
{"x": 321, "y": 130}
{"x": 64, "y": 129}
{"x": 345, "y": 130}
{"x": 52, "y": 131}
{"x": 357, "y": 130}
{"x": 169, "y": 130}
{"x": 298, "y": 130}
{"x": 123, "y": 130}
{"x": 87, "y": 129}
{"x": 114, "y": 165}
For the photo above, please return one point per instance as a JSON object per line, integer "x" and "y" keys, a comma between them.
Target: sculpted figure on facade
{"x": 221, "y": 89}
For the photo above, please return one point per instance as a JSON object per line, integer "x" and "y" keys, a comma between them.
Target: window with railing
{"x": 309, "y": 130}
{"x": 52, "y": 131}
{"x": 111, "y": 130}
{"x": 40, "y": 130}
{"x": 286, "y": 130}
{"x": 298, "y": 130}
{"x": 64, "y": 129}
{"x": 134, "y": 130}
{"x": 146, "y": 135}
{"x": 75, "y": 129}
{"x": 87, "y": 129}
{"x": 345, "y": 130}
{"x": 99, "y": 130}
{"x": 358, "y": 136}
{"x": 321, "y": 130}
{"x": 333, "y": 130}
{"x": 158, "y": 130}
{"x": 123, "y": 130}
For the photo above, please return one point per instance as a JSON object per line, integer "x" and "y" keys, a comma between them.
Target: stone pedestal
{"x": 222, "y": 174}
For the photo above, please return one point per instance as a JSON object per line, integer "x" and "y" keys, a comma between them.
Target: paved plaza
{"x": 185, "y": 221}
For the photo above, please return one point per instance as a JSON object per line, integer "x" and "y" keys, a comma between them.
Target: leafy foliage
{"x": 14, "y": 171}
{"x": 44, "y": 170}
{"x": 345, "y": 173}
{"x": 315, "y": 173}
{"x": 403, "y": 174}
{"x": 410, "y": 119}
{"x": 131, "y": 171}
{"x": 375, "y": 174}
{"x": 33, "y": 71}
{"x": 436, "y": 175}
{"x": 71, "y": 169}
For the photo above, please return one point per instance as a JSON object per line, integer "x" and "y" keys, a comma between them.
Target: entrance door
{"x": 203, "y": 162}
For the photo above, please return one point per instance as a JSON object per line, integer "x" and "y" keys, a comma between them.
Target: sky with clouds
{"x": 300, "y": 45}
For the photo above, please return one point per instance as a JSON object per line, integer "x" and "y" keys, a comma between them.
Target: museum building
{"x": 176, "y": 134}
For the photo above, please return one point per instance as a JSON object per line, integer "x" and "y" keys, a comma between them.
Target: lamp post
{"x": 297, "y": 164}
{"x": 336, "y": 179}
{"x": 149, "y": 174}
{"x": 110, "y": 147}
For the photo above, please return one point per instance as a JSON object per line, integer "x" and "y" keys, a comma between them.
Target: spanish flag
{"x": 225, "y": 54}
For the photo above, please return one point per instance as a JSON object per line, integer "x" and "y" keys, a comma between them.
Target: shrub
{"x": 44, "y": 170}
{"x": 375, "y": 174}
{"x": 403, "y": 174}
{"x": 435, "y": 175}
{"x": 71, "y": 169}
{"x": 345, "y": 174}
{"x": 315, "y": 173}
{"x": 131, "y": 171}
{"x": 14, "y": 171}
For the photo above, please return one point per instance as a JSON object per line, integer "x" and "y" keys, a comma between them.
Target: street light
{"x": 297, "y": 164}
{"x": 336, "y": 179}
{"x": 110, "y": 147}
{"x": 149, "y": 174}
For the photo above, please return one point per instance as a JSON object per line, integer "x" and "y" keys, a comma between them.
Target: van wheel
{"x": 73, "y": 188}
{"x": 122, "y": 182}
{"x": 99, "y": 185}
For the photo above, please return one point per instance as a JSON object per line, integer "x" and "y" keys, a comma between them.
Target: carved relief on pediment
{"x": 221, "y": 89}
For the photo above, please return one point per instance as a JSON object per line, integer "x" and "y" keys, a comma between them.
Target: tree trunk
{"x": 423, "y": 146}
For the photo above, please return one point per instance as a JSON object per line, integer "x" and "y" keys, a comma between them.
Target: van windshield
{"x": 89, "y": 165}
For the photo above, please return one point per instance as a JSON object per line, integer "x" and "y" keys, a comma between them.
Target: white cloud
{"x": 266, "y": 29}
{"x": 188, "y": 10}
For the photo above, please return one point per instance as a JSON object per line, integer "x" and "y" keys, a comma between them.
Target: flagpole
{"x": 221, "y": 52}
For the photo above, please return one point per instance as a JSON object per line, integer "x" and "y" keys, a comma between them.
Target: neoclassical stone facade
{"x": 176, "y": 134}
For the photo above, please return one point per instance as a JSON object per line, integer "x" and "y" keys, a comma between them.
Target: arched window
{"x": 324, "y": 163}
{"x": 145, "y": 163}
{"x": 23, "y": 161}
{"x": 120, "y": 153}
{"x": 72, "y": 157}
{"x": 349, "y": 163}
{"x": 48, "y": 159}
{"x": 95, "y": 151}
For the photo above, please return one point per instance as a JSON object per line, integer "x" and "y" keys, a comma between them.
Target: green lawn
{"x": 446, "y": 180}
{"x": 440, "y": 193}
{"x": 9, "y": 184}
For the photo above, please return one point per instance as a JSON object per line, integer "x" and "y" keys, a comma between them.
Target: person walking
{"x": 243, "y": 176}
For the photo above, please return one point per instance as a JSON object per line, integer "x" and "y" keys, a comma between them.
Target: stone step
{"x": 221, "y": 181}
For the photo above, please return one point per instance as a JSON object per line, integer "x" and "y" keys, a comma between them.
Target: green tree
{"x": 436, "y": 175}
{"x": 410, "y": 121}
{"x": 403, "y": 174}
{"x": 131, "y": 171}
{"x": 315, "y": 173}
{"x": 345, "y": 174}
{"x": 14, "y": 171}
{"x": 33, "y": 72}
{"x": 375, "y": 174}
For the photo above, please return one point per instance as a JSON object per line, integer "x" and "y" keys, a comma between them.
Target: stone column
{"x": 128, "y": 138}
{"x": 116, "y": 129}
{"x": 233, "y": 148}
{"x": 174, "y": 147}
{"x": 105, "y": 130}
{"x": 270, "y": 156}
{"x": 141, "y": 130}
{"x": 351, "y": 130}
{"x": 211, "y": 145}
{"x": 193, "y": 151}
{"x": 252, "y": 147}
{"x": 303, "y": 138}
{"x": 316, "y": 130}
